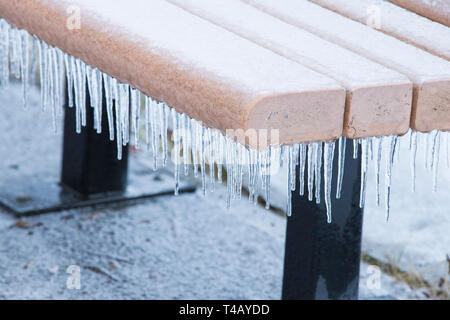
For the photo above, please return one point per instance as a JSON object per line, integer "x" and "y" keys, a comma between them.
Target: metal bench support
{"x": 322, "y": 260}
{"x": 90, "y": 166}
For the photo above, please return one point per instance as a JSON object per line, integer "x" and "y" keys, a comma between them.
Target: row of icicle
{"x": 194, "y": 145}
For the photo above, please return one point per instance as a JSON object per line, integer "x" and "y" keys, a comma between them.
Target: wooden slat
{"x": 378, "y": 99}
{"x": 437, "y": 10}
{"x": 200, "y": 69}
{"x": 395, "y": 21}
{"x": 430, "y": 74}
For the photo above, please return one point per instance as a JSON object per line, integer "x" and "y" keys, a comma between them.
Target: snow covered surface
{"x": 417, "y": 237}
{"x": 401, "y": 23}
{"x": 285, "y": 39}
{"x": 197, "y": 44}
{"x": 166, "y": 248}
{"x": 393, "y": 53}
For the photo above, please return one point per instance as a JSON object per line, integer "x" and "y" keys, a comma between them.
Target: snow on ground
{"x": 416, "y": 238}
{"x": 163, "y": 248}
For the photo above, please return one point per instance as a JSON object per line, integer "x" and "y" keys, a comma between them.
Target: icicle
{"x": 24, "y": 61}
{"x": 89, "y": 86}
{"x": 293, "y": 154}
{"x": 211, "y": 143}
{"x": 147, "y": 123}
{"x": 240, "y": 174}
{"x": 328, "y": 157}
{"x": 288, "y": 161}
{"x": 341, "y": 165}
{"x": 390, "y": 162}
{"x": 427, "y": 150}
{"x": 355, "y": 148}
{"x": 80, "y": 117}
{"x": 93, "y": 93}
{"x": 81, "y": 78}
{"x": 165, "y": 115}
{"x": 51, "y": 86}
{"x": 302, "y": 165}
{"x": 252, "y": 178}
{"x": 43, "y": 65}
{"x": 34, "y": 61}
{"x": 186, "y": 142}
{"x": 59, "y": 79}
{"x": 57, "y": 82}
{"x": 116, "y": 94}
{"x": 230, "y": 159}
{"x": 413, "y": 145}
{"x": 370, "y": 142}
{"x": 271, "y": 151}
{"x": 15, "y": 51}
{"x": 135, "y": 114}
{"x": 98, "y": 81}
{"x": 162, "y": 131}
{"x": 176, "y": 146}
{"x": 364, "y": 165}
{"x": 437, "y": 147}
{"x": 312, "y": 151}
{"x": 154, "y": 132}
{"x": 4, "y": 51}
{"x": 318, "y": 171}
{"x": 125, "y": 112}
{"x": 398, "y": 150}
{"x": 377, "y": 167}
{"x": 202, "y": 157}
{"x": 258, "y": 169}
{"x": 195, "y": 147}
{"x": 221, "y": 153}
{"x": 109, "y": 104}
{"x": 433, "y": 136}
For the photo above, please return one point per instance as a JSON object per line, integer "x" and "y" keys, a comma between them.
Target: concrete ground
{"x": 185, "y": 247}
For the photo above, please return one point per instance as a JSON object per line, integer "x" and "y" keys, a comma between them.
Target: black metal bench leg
{"x": 322, "y": 260}
{"x": 90, "y": 166}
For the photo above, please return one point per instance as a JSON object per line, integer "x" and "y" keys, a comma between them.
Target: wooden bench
{"x": 291, "y": 66}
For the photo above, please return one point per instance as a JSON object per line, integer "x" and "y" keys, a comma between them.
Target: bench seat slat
{"x": 198, "y": 68}
{"x": 378, "y": 99}
{"x": 397, "y": 22}
{"x": 430, "y": 74}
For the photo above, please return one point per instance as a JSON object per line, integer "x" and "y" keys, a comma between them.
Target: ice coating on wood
{"x": 242, "y": 80}
{"x": 365, "y": 80}
{"x": 345, "y": 66}
{"x": 417, "y": 64}
{"x": 396, "y": 21}
{"x": 429, "y": 73}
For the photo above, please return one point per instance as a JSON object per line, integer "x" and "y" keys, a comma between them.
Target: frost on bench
{"x": 209, "y": 146}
